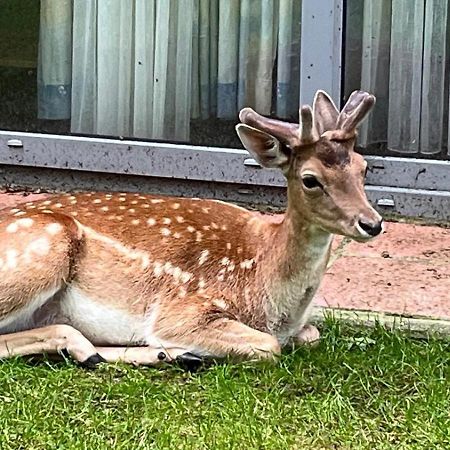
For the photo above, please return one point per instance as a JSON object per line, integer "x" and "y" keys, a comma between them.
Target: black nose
{"x": 372, "y": 228}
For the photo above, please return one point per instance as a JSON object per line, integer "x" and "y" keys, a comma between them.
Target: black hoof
{"x": 189, "y": 362}
{"x": 92, "y": 362}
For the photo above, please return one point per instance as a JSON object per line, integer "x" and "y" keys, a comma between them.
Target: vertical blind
{"x": 145, "y": 68}
{"x": 398, "y": 49}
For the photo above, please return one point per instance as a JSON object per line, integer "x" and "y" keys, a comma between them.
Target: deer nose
{"x": 371, "y": 228}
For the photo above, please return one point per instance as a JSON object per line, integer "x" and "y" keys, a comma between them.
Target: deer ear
{"x": 325, "y": 112}
{"x": 265, "y": 148}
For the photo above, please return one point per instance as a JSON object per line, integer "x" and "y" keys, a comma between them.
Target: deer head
{"x": 325, "y": 175}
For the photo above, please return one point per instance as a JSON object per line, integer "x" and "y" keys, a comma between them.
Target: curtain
{"x": 400, "y": 54}
{"x": 145, "y": 68}
{"x": 55, "y": 45}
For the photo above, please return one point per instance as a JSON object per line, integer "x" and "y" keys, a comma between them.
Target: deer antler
{"x": 291, "y": 134}
{"x": 322, "y": 119}
{"x": 286, "y": 132}
{"x": 355, "y": 110}
{"x": 353, "y": 113}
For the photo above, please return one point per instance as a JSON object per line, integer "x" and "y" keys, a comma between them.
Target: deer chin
{"x": 359, "y": 235}
{"x": 354, "y": 231}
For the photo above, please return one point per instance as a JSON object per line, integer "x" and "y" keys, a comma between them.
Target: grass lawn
{"x": 358, "y": 389}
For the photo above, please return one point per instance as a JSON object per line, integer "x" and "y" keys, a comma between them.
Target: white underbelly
{"x": 104, "y": 325}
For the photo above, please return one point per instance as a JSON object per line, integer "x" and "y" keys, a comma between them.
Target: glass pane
{"x": 175, "y": 70}
{"x": 398, "y": 50}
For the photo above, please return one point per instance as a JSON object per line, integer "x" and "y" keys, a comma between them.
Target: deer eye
{"x": 311, "y": 182}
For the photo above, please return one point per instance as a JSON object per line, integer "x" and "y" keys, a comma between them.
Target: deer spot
{"x": 185, "y": 277}
{"x": 12, "y": 227}
{"x": 26, "y": 223}
{"x": 158, "y": 269}
{"x": 145, "y": 262}
{"x": 221, "y": 274}
{"x": 39, "y": 246}
{"x": 203, "y": 257}
{"x": 219, "y": 303}
{"x": 11, "y": 258}
{"x": 246, "y": 264}
{"x": 53, "y": 228}
{"x": 165, "y": 232}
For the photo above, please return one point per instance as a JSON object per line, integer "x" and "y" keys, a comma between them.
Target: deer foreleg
{"x": 150, "y": 356}
{"x": 225, "y": 337}
{"x": 308, "y": 335}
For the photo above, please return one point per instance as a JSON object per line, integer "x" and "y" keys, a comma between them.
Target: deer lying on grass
{"x": 144, "y": 279}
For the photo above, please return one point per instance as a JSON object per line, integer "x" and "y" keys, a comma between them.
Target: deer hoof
{"x": 189, "y": 362}
{"x": 308, "y": 335}
{"x": 92, "y": 362}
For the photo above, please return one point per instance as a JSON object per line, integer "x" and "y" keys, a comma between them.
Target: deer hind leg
{"x": 50, "y": 339}
{"x": 36, "y": 259}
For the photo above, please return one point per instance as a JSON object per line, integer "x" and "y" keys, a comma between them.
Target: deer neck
{"x": 296, "y": 248}
{"x": 294, "y": 260}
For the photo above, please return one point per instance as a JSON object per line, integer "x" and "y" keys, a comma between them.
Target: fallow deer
{"x": 144, "y": 279}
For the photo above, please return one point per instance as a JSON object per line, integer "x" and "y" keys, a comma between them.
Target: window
{"x": 165, "y": 70}
{"x": 398, "y": 49}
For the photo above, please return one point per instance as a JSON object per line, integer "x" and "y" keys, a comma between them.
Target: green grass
{"x": 358, "y": 389}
